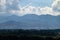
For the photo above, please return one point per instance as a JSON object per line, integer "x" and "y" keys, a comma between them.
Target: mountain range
{"x": 30, "y": 21}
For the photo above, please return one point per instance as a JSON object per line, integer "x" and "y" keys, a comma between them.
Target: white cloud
{"x": 2, "y": 2}
{"x": 56, "y": 4}
{"x": 33, "y": 10}
{"x": 56, "y": 7}
{"x": 2, "y": 6}
{"x": 29, "y": 9}
{"x": 46, "y": 10}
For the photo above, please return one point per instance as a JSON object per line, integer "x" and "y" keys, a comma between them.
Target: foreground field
{"x": 29, "y": 34}
{"x": 15, "y": 37}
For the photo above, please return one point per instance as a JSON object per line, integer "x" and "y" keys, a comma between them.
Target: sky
{"x": 23, "y": 7}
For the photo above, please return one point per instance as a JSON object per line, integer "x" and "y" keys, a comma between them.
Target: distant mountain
{"x": 30, "y": 21}
{"x": 12, "y": 25}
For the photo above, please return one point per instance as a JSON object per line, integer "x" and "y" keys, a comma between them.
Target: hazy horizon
{"x": 30, "y": 14}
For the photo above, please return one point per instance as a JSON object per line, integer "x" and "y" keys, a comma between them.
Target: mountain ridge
{"x": 33, "y": 21}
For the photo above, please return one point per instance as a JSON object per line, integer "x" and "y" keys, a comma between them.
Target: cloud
{"x": 2, "y": 2}
{"x": 56, "y": 7}
{"x": 8, "y": 7}
{"x": 29, "y": 9}
{"x": 2, "y": 5}
{"x": 46, "y": 10}
{"x": 33, "y": 10}
{"x": 10, "y": 2}
{"x": 15, "y": 8}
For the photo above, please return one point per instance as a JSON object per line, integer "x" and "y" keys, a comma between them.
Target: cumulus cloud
{"x": 28, "y": 9}
{"x": 46, "y": 10}
{"x": 8, "y": 7}
{"x": 15, "y": 8}
{"x": 2, "y": 7}
{"x": 33, "y": 10}
{"x": 2, "y": 2}
{"x": 56, "y": 7}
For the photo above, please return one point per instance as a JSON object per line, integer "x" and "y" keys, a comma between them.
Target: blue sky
{"x": 10, "y": 8}
{"x": 23, "y": 7}
{"x": 41, "y": 3}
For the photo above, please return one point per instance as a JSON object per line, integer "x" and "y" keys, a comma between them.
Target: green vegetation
{"x": 29, "y": 34}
